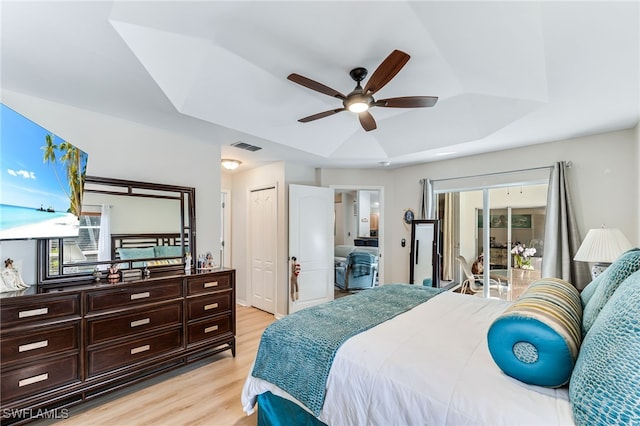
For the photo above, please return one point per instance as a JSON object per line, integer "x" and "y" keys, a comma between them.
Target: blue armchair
{"x": 360, "y": 271}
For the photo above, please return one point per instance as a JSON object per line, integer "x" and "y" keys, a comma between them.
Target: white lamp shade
{"x": 602, "y": 245}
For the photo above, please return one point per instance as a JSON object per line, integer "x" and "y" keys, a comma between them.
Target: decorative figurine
{"x": 208, "y": 261}
{"x": 187, "y": 262}
{"x": 11, "y": 279}
{"x": 114, "y": 274}
{"x": 146, "y": 273}
{"x": 97, "y": 274}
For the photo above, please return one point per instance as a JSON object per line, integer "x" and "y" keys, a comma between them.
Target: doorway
{"x": 359, "y": 213}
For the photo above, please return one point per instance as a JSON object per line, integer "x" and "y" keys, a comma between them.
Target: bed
{"x": 432, "y": 364}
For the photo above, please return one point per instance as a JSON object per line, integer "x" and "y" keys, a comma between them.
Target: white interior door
{"x": 311, "y": 243}
{"x": 262, "y": 233}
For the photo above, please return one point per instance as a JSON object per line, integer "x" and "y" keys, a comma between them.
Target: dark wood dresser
{"x": 62, "y": 346}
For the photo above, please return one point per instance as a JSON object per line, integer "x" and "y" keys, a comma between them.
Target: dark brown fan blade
{"x": 407, "y": 102}
{"x": 386, "y": 71}
{"x": 314, "y": 85}
{"x": 321, "y": 115}
{"x": 367, "y": 121}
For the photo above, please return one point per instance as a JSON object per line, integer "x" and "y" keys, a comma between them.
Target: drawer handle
{"x": 211, "y": 306}
{"x": 211, "y": 284}
{"x": 32, "y": 346}
{"x": 33, "y": 313}
{"x": 140, "y": 322}
{"x": 34, "y": 379}
{"x": 140, "y": 295}
{"x": 140, "y": 349}
{"x": 210, "y": 329}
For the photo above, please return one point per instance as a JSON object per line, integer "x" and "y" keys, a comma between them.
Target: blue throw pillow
{"x": 605, "y": 384}
{"x": 136, "y": 253}
{"x": 607, "y": 283}
{"x": 536, "y": 340}
{"x": 588, "y": 291}
{"x": 168, "y": 251}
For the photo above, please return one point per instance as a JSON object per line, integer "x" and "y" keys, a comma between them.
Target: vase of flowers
{"x": 522, "y": 256}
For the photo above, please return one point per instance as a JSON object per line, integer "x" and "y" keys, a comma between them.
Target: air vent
{"x": 246, "y": 146}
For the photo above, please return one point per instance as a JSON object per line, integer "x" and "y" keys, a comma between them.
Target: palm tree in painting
{"x": 76, "y": 166}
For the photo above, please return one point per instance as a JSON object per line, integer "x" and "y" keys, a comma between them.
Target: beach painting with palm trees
{"x": 41, "y": 180}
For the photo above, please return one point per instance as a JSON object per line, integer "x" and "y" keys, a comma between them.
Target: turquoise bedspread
{"x": 296, "y": 352}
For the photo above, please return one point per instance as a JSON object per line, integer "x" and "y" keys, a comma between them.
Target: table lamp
{"x": 601, "y": 247}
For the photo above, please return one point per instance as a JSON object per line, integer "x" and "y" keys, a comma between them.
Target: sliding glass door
{"x": 516, "y": 217}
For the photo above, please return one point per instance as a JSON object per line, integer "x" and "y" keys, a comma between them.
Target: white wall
{"x": 126, "y": 150}
{"x": 226, "y": 179}
{"x": 603, "y": 179}
{"x": 364, "y": 213}
{"x": 345, "y": 220}
{"x": 338, "y": 211}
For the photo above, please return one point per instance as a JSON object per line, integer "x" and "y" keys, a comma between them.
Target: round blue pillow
{"x": 537, "y": 339}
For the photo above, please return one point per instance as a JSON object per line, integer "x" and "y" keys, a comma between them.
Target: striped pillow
{"x": 537, "y": 339}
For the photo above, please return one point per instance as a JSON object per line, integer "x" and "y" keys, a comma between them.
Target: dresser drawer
{"x": 208, "y": 329}
{"x": 39, "y": 310}
{"x": 112, "y": 357}
{"x": 208, "y": 283}
{"x": 37, "y": 378}
{"x": 205, "y": 306}
{"x": 106, "y": 328}
{"x": 27, "y": 345}
{"x": 110, "y": 299}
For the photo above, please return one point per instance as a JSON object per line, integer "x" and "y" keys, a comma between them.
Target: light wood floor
{"x": 206, "y": 393}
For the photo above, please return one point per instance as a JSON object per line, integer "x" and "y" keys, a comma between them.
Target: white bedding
{"x": 430, "y": 365}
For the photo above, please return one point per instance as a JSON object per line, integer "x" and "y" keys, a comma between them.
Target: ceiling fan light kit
{"x": 360, "y": 100}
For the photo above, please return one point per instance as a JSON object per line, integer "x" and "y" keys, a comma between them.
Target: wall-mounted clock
{"x": 408, "y": 216}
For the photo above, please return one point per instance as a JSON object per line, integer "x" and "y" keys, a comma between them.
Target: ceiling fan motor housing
{"x": 358, "y": 74}
{"x": 357, "y": 95}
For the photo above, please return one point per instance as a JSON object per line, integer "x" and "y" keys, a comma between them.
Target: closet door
{"x": 263, "y": 246}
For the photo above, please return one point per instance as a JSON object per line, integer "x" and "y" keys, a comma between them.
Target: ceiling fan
{"x": 361, "y": 99}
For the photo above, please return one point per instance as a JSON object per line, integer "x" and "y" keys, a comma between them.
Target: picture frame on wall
{"x": 522, "y": 221}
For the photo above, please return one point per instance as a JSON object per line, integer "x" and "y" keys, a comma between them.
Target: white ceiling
{"x": 507, "y": 74}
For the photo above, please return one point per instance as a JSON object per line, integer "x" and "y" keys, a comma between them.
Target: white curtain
{"x": 427, "y": 210}
{"x": 561, "y": 237}
{"x": 104, "y": 242}
{"x": 448, "y": 243}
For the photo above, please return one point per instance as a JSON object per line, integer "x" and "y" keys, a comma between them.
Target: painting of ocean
{"x": 26, "y": 222}
{"x": 41, "y": 180}
{"x": 13, "y": 216}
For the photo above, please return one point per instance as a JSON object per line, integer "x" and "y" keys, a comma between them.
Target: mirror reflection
{"x": 425, "y": 256}
{"x": 121, "y": 221}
